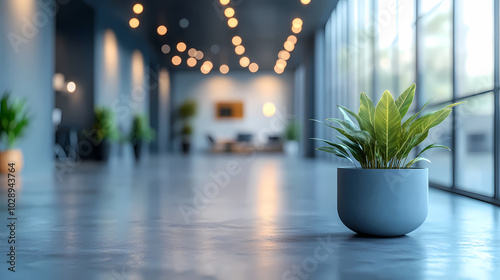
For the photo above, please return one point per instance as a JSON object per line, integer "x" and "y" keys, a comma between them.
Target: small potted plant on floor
{"x": 140, "y": 134}
{"x": 13, "y": 123}
{"x": 106, "y": 132}
{"x": 292, "y": 138}
{"x": 386, "y": 196}
{"x": 186, "y": 133}
{"x": 186, "y": 111}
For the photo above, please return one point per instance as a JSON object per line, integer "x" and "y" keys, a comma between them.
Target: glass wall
{"x": 448, "y": 48}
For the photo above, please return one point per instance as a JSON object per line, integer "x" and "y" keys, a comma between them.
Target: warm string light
{"x": 244, "y": 61}
{"x": 134, "y": 22}
{"x": 232, "y": 22}
{"x": 138, "y": 8}
{"x": 192, "y": 52}
{"x": 305, "y": 2}
{"x": 206, "y": 67}
{"x": 199, "y": 55}
{"x": 194, "y": 55}
{"x": 229, "y": 12}
{"x": 284, "y": 55}
{"x": 239, "y": 50}
{"x": 176, "y": 60}
{"x": 224, "y": 69}
{"x": 237, "y": 40}
{"x": 253, "y": 67}
{"x": 191, "y": 62}
{"x": 181, "y": 46}
{"x": 289, "y": 44}
{"x": 162, "y": 30}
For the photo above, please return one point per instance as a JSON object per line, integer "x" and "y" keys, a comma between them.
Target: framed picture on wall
{"x": 229, "y": 110}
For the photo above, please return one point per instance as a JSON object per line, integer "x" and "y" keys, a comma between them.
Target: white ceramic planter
{"x": 292, "y": 148}
{"x": 382, "y": 202}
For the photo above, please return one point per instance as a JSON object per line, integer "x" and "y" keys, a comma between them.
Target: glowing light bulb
{"x": 181, "y": 47}
{"x": 269, "y": 109}
{"x": 244, "y": 61}
{"x": 191, "y": 62}
{"x": 134, "y": 23}
{"x": 253, "y": 67}
{"x": 176, "y": 60}
{"x": 239, "y": 50}
{"x": 224, "y": 69}
{"x": 138, "y": 8}
{"x": 229, "y": 12}
{"x": 162, "y": 30}
{"x": 237, "y": 40}
{"x": 71, "y": 87}
{"x": 232, "y": 22}
{"x": 297, "y": 22}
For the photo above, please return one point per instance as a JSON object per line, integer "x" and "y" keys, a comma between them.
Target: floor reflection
{"x": 267, "y": 223}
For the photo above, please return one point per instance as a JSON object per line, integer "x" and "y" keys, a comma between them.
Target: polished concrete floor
{"x": 230, "y": 217}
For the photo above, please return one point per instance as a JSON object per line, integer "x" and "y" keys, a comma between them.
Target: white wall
{"x": 254, "y": 90}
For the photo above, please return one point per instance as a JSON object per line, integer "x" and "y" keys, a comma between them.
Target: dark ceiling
{"x": 264, "y": 26}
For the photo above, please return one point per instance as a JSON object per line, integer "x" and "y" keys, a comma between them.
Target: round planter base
{"x": 382, "y": 202}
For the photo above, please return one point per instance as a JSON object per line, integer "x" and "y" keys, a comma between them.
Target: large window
{"x": 447, "y": 48}
{"x": 474, "y": 46}
{"x": 436, "y": 72}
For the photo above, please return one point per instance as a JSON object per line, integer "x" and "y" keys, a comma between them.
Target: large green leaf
{"x": 387, "y": 126}
{"x": 410, "y": 144}
{"x": 355, "y": 149}
{"x": 367, "y": 113}
{"x": 433, "y": 146}
{"x": 336, "y": 151}
{"x": 415, "y": 160}
{"x": 354, "y": 136}
{"x": 344, "y": 123}
{"x": 429, "y": 121}
{"x": 407, "y": 123}
{"x": 404, "y": 100}
{"x": 346, "y": 111}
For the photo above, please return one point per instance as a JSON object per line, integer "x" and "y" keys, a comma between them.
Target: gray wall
{"x": 26, "y": 69}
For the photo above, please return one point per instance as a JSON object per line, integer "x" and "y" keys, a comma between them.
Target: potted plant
{"x": 106, "y": 132}
{"x": 387, "y": 196}
{"x": 13, "y": 123}
{"x": 292, "y": 138}
{"x": 186, "y": 133}
{"x": 140, "y": 133}
{"x": 186, "y": 111}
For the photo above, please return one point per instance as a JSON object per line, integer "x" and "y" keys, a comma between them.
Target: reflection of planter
{"x": 11, "y": 156}
{"x": 137, "y": 149}
{"x": 102, "y": 150}
{"x": 382, "y": 202}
